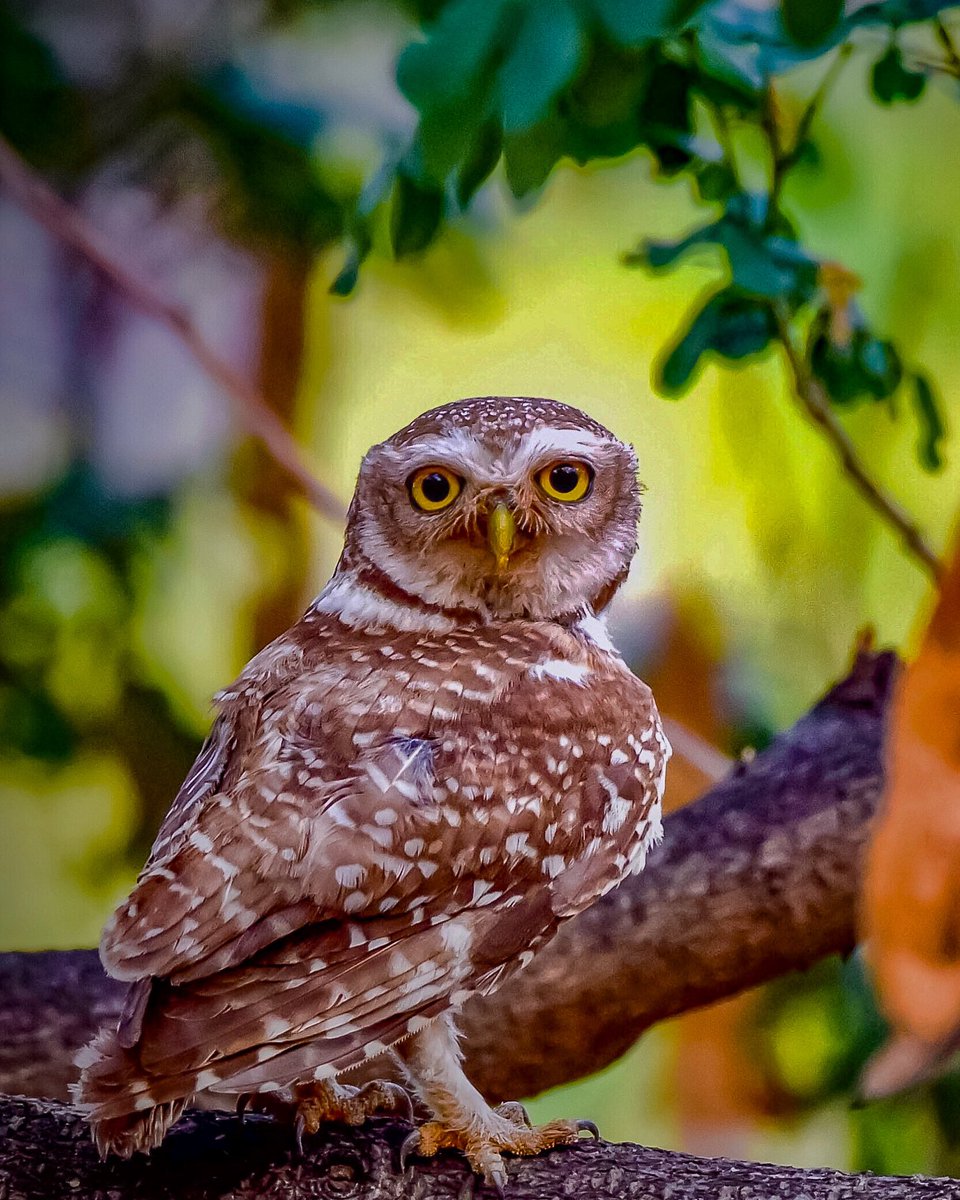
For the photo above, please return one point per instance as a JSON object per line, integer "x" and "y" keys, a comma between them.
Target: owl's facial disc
{"x": 538, "y": 523}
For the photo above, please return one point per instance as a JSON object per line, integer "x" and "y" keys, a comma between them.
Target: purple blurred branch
{"x": 39, "y": 200}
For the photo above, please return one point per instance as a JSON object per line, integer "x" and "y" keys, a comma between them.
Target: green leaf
{"x": 445, "y": 67}
{"x": 763, "y": 264}
{"x": 810, "y": 22}
{"x": 633, "y": 22}
{"x": 881, "y": 366}
{"x": 892, "y": 81}
{"x": 731, "y": 324}
{"x": 40, "y": 113}
{"x": 349, "y": 274}
{"x": 415, "y": 216}
{"x": 932, "y": 428}
{"x": 276, "y": 190}
{"x": 531, "y": 156}
{"x": 715, "y": 181}
{"x": 480, "y": 162}
{"x": 543, "y": 58}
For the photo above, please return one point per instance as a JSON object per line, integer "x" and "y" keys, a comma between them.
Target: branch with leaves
{"x": 537, "y": 85}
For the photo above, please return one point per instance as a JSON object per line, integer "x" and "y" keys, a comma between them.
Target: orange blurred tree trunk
{"x": 911, "y": 896}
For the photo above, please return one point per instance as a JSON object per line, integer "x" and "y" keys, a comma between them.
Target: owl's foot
{"x": 509, "y": 1132}
{"x": 329, "y": 1101}
{"x": 310, "y": 1105}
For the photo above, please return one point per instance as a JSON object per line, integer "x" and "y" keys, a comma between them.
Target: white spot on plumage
{"x": 553, "y": 864}
{"x": 349, "y": 874}
{"x": 560, "y": 669}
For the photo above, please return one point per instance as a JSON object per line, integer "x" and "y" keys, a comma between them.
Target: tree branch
{"x": 46, "y": 1154}
{"x": 813, "y": 399}
{"x": 34, "y": 195}
{"x": 757, "y": 878}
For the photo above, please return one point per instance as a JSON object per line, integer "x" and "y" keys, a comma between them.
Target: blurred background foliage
{"x": 478, "y": 175}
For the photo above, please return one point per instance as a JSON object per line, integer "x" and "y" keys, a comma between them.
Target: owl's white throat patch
{"x": 361, "y": 607}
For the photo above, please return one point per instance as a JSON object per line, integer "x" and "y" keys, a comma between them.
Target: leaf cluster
{"x": 532, "y": 83}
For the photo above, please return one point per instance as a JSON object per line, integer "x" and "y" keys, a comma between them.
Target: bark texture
{"x": 46, "y": 1154}
{"x": 757, "y": 878}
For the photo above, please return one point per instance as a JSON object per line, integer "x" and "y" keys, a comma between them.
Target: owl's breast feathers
{"x": 381, "y": 822}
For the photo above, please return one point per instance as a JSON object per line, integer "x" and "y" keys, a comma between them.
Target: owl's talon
{"x": 408, "y": 1149}
{"x": 299, "y": 1128}
{"x": 588, "y": 1127}
{"x": 386, "y": 1097}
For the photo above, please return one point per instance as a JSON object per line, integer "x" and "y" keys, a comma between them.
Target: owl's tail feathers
{"x": 118, "y": 1099}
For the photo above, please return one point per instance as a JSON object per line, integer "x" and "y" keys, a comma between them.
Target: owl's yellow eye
{"x": 433, "y": 488}
{"x": 566, "y": 481}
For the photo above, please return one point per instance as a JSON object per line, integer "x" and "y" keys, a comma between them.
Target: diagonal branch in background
{"x": 39, "y": 200}
{"x": 757, "y": 878}
{"x": 814, "y": 400}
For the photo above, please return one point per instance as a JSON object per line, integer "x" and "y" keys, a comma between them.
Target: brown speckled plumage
{"x": 400, "y": 800}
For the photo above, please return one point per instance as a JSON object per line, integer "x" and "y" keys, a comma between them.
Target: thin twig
{"x": 697, "y": 750}
{"x": 39, "y": 200}
{"x": 725, "y": 141}
{"x": 782, "y": 159}
{"x": 816, "y": 101}
{"x": 814, "y": 400}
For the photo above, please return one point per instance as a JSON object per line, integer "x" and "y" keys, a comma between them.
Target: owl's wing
{"x": 420, "y": 907}
{"x": 293, "y": 841}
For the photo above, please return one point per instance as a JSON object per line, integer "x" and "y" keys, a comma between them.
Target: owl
{"x": 401, "y": 798}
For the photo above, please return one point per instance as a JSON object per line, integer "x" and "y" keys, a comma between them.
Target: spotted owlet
{"x": 401, "y": 798}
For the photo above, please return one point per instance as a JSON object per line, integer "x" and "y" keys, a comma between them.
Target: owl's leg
{"x": 463, "y": 1119}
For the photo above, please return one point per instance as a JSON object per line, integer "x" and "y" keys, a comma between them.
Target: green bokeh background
{"x": 125, "y": 607}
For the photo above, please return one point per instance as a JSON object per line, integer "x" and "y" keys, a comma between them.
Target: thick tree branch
{"x": 757, "y": 878}
{"x": 33, "y": 194}
{"x": 46, "y": 1154}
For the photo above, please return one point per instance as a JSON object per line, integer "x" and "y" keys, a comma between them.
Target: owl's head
{"x": 506, "y": 506}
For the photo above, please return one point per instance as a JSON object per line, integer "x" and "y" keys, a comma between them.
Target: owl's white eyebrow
{"x": 463, "y": 449}
{"x": 574, "y": 442}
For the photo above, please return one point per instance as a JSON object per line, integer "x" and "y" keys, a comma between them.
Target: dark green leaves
{"x": 892, "y": 81}
{"x": 274, "y": 189}
{"x": 40, "y": 113}
{"x": 543, "y": 58}
{"x": 932, "y": 428}
{"x": 632, "y": 22}
{"x": 764, "y": 263}
{"x": 731, "y": 324}
{"x": 810, "y": 22}
{"x": 415, "y": 215}
{"x": 863, "y": 367}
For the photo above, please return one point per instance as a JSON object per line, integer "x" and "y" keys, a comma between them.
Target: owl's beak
{"x": 501, "y": 533}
